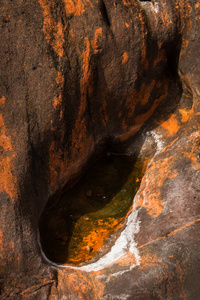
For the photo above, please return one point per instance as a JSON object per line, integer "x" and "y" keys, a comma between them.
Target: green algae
{"x": 75, "y": 228}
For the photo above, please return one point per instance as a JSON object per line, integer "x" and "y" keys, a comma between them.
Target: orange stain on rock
{"x": 127, "y": 259}
{"x": 151, "y": 187}
{"x": 185, "y": 114}
{"x": 171, "y": 125}
{"x": 57, "y": 101}
{"x": 79, "y": 133}
{"x": 85, "y": 67}
{"x": 126, "y": 2}
{"x": 97, "y": 233}
{"x": 146, "y": 92}
{"x": 124, "y": 58}
{"x": 127, "y": 25}
{"x": 60, "y": 79}
{"x": 74, "y": 7}
{"x": 148, "y": 260}
{"x": 143, "y": 33}
{"x": 194, "y": 149}
{"x": 94, "y": 42}
{"x": 197, "y": 8}
{"x": 1, "y": 243}
{"x": 57, "y": 159}
{"x": 53, "y": 30}
{"x": 8, "y": 182}
{"x": 168, "y": 146}
{"x": 165, "y": 19}
{"x": 2, "y": 100}
{"x": 79, "y": 285}
{"x": 184, "y": 13}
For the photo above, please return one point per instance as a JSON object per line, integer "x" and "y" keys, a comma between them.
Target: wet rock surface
{"x": 82, "y": 78}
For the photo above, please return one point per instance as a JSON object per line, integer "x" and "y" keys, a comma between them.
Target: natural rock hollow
{"x": 81, "y": 78}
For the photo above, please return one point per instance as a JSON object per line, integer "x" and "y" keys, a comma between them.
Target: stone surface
{"x": 79, "y": 78}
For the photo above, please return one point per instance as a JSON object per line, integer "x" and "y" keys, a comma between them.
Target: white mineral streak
{"x": 116, "y": 297}
{"x": 158, "y": 141}
{"x": 124, "y": 244}
{"x": 156, "y": 7}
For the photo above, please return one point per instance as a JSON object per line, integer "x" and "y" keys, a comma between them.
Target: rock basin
{"x": 75, "y": 225}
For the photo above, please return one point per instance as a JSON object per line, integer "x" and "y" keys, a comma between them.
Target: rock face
{"x": 79, "y": 78}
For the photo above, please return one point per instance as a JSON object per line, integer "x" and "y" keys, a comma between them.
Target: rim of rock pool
{"x": 119, "y": 240}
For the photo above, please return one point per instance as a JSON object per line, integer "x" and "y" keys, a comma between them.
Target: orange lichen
{"x": 185, "y": 114}
{"x": 57, "y": 101}
{"x": 1, "y": 243}
{"x": 165, "y": 19}
{"x": 2, "y": 100}
{"x": 86, "y": 74}
{"x": 56, "y": 163}
{"x": 148, "y": 260}
{"x": 144, "y": 36}
{"x": 79, "y": 133}
{"x": 97, "y": 234}
{"x": 193, "y": 151}
{"x": 127, "y": 25}
{"x": 171, "y": 144}
{"x": 184, "y": 12}
{"x": 171, "y": 125}
{"x": 94, "y": 42}
{"x": 74, "y": 7}
{"x": 124, "y": 58}
{"x": 151, "y": 185}
{"x": 197, "y": 9}
{"x": 60, "y": 79}
{"x": 8, "y": 182}
{"x": 127, "y": 259}
{"x": 126, "y": 2}
{"x": 53, "y": 30}
{"x": 77, "y": 284}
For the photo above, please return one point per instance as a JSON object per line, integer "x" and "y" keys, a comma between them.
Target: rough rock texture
{"x": 79, "y": 78}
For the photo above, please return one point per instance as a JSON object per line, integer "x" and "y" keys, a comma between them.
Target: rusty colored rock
{"x": 89, "y": 249}
{"x": 82, "y": 78}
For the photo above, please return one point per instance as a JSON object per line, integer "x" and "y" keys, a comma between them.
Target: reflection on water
{"x": 75, "y": 228}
